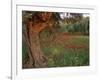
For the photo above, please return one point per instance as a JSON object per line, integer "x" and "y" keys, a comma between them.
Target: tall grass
{"x": 59, "y": 55}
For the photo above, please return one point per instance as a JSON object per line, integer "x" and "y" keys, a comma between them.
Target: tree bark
{"x": 30, "y": 61}
{"x": 36, "y": 53}
{"x": 39, "y": 58}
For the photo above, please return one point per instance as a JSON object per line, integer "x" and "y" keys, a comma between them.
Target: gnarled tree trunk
{"x": 39, "y": 58}
{"x": 34, "y": 27}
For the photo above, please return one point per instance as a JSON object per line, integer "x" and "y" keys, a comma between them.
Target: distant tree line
{"x": 81, "y": 26}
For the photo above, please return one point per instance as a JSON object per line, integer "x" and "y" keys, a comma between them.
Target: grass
{"x": 59, "y": 57}
{"x": 72, "y": 51}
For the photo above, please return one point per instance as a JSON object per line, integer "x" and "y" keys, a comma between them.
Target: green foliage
{"x": 81, "y": 26}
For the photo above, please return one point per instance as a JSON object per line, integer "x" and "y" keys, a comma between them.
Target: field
{"x": 66, "y": 50}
